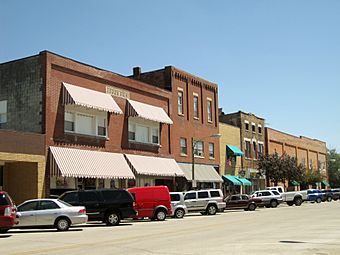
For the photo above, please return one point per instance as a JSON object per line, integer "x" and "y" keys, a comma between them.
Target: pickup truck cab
{"x": 291, "y": 197}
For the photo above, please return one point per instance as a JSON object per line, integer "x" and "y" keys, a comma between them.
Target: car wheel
{"x": 62, "y": 224}
{"x": 329, "y": 199}
{"x": 179, "y": 213}
{"x": 211, "y": 210}
{"x": 251, "y": 207}
{"x": 273, "y": 203}
{"x": 298, "y": 201}
{"x": 160, "y": 215}
{"x": 3, "y": 230}
{"x": 318, "y": 200}
{"x": 112, "y": 219}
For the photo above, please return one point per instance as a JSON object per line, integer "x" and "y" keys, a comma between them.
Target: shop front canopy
{"x": 231, "y": 179}
{"x": 234, "y": 150}
{"x": 294, "y": 183}
{"x": 202, "y": 173}
{"x": 244, "y": 181}
{"x": 325, "y": 183}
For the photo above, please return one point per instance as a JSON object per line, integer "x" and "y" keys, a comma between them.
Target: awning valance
{"x": 149, "y": 112}
{"x": 244, "y": 181}
{"x": 231, "y": 179}
{"x": 203, "y": 173}
{"x": 154, "y": 166}
{"x": 69, "y": 162}
{"x": 234, "y": 150}
{"x": 89, "y": 98}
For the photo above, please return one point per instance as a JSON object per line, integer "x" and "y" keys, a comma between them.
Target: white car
{"x": 270, "y": 198}
{"x": 50, "y": 212}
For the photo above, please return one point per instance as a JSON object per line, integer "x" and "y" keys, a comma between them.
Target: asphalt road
{"x": 308, "y": 229}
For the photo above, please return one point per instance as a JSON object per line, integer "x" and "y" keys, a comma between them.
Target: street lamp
{"x": 193, "y": 144}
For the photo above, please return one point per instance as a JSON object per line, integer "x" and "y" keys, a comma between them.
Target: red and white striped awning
{"x": 89, "y": 98}
{"x": 154, "y": 166}
{"x": 149, "y": 112}
{"x": 69, "y": 162}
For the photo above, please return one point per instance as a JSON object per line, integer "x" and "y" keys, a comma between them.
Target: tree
{"x": 333, "y": 162}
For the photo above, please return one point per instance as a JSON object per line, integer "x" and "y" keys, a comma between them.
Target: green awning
{"x": 244, "y": 181}
{"x": 295, "y": 183}
{"x": 326, "y": 183}
{"x": 234, "y": 150}
{"x": 232, "y": 179}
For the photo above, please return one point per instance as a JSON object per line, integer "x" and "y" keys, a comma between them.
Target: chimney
{"x": 137, "y": 71}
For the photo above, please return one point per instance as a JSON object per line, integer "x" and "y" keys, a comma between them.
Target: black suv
{"x": 107, "y": 205}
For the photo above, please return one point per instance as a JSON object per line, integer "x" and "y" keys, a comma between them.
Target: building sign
{"x": 115, "y": 92}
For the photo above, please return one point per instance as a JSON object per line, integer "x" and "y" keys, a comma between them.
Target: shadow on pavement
{"x": 5, "y": 236}
{"x": 96, "y": 224}
{"x": 291, "y": 242}
{"x": 31, "y": 230}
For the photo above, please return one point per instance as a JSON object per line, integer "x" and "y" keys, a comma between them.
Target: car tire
{"x": 62, "y": 224}
{"x": 179, "y": 213}
{"x": 251, "y": 207}
{"x": 112, "y": 219}
{"x": 298, "y": 201}
{"x": 329, "y": 199}
{"x": 160, "y": 215}
{"x": 273, "y": 204}
{"x": 3, "y": 230}
{"x": 211, "y": 209}
{"x": 318, "y": 200}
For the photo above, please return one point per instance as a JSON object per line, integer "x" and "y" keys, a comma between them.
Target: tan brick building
{"x": 309, "y": 152}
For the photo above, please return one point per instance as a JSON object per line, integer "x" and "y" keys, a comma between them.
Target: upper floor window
{"x": 198, "y": 148}
{"x": 209, "y": 105}
{"x": 3, "y": 111}
{"x": 253, "y": 128}
{"x": 196, "y": 116}
{"x": 80, "y": 121}
{"x": 143, "y": 131}
{"x": 247, "y": 149}
{"x": 261, "y": 148}
{"x": 259, "y": 127}
{"x": 246, "y": 125}
{"x": 211, "y": 150}
{"x": 180, "y": 102}
{"x": 183, "y": 144}
{"x": 254, "y": 150}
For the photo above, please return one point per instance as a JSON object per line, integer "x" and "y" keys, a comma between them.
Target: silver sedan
{"x": 50, "y": 212}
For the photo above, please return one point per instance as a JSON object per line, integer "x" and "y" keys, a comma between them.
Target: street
{"x": 308, "y": 229}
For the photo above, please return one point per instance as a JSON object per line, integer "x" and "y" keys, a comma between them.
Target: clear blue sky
{"x": 277, "y": 59}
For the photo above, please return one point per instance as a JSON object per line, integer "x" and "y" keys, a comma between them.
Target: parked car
{"x": 314, "y": 195}
{"x": 178, "y": 207}
{"x": 50, "y": 212}
{"x": 7, "y": 212}
{"x": 327, "y": 195}
{"x": 107, "y": 205}
{"x": 242, "y": 202}
{"x": 152, "y": 202}
{"x": 336, "y": 194}
{"x": 270, "y": 198}
{"x": 290, "y": 197}
{"x": 207, "y": 202}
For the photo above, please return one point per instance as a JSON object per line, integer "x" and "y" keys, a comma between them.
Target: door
{"x": 233, "y": 201}
{"x": 27, "y": 212}
{"x": 190, "y": 200}
{"x": 202, "y": 200}
{"x": 90, "y": 200}
{"x": 47, "y": 212}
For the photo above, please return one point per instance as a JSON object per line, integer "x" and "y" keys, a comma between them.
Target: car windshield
{"x": 275, "y": 192}
{"x": 64, "y": 203}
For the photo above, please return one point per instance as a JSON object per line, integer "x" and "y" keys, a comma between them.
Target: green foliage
{"x": 333, "y": 162}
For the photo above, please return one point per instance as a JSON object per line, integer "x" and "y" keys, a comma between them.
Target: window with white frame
{"x": 183, "y": 144}
{"x": 143, "y": 131}
{"x": 253, "y": 128}
{"x": 259, "y": 127}
{"x": 84, "y": 121}
{"x": 246, "y": 125}
{"x": 196, "y": 116}
{"x": 3, "y": 111}
{"x": 261, "y": 148}
{"x": 247, "y": 149}
{"x": 180, "y": 102}
{"x": 254, "y": 150}
{"x": 211, "y": 150}
{"x": 209, "y": 105}
{"x": 198, "y": 149}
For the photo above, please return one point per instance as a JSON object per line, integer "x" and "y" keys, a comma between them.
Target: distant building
{"x": 252, "y": 142}
{"x": 309, "y": 152}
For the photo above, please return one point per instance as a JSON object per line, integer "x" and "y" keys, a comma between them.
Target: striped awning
{"x": 69, "y": 162}
{"x": 202, "y": 173}
{"x": 89, "y": 98}
{"x": 154, "y": 166}
{"x": 149, "y": 112}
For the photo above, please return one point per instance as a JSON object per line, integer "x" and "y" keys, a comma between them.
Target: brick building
{"x": 252, "y": 141}
{"x": 194, "y": 111}
{"x": 81, "y": 127}
{"x": 309, "y": 152}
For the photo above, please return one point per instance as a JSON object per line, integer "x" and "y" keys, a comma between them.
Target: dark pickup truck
{"x": 107, "y": 205}
{"x": 242, "y": 202}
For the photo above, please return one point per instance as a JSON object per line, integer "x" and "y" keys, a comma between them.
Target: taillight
{"x": 8, "y": 211}
{"x": 82, "y": 211}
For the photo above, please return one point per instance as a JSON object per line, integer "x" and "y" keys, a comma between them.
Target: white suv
{"x": 207, "y": 202}
{"x": 270, "y": 198}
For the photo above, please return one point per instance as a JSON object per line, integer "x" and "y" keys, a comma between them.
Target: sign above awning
{"x": 89, "y": 98}
{"x": 234, "y": 150}
{"x": 154, "y": 166}
{"x": 202, "y": 173}
{"x": 69, "y": 162}
{"x": 149, "y": 112}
